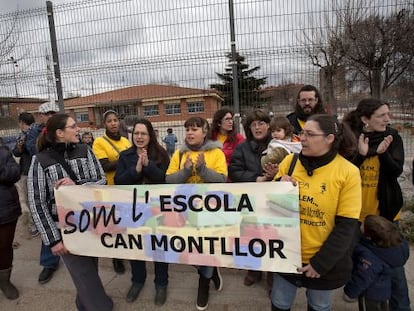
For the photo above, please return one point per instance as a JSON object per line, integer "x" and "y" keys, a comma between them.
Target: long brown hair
{"x": 47, "y": 137}
{"x": 155, "y": 151}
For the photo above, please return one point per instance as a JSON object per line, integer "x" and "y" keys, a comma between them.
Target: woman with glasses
{"x": 245, "y": 164}
{"x": 380, "y": 159}
{"x": 330, "y": 204}
{"x": 199, "y": 160}
{"x": 62, "y": 161}
{"x": 222, "y": 130}
{"x": 144, "y": 163}
{"x": 107, "y": 149}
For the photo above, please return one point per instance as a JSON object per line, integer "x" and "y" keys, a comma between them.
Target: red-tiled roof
{"x": 137, "y": 93}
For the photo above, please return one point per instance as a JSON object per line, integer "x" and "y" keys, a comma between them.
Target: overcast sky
{"x": 116, "y": 43}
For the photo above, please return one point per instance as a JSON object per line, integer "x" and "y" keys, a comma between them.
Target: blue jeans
{"x": 139, "y": 273}
{"x": 47, "y": 259}
{"x": 399, "y": 291}
{"x": 206, "y": 271}
{"x": 284, "y": 293}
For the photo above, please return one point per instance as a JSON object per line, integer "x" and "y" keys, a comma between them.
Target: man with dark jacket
{"x": 26, "y": 119}
{"x": 308, "y": 102}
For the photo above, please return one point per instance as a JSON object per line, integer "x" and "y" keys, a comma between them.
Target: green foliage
{"x": 249, "y": 86}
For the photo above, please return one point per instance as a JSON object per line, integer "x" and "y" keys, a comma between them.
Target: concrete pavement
{"x": 59, "y": 293}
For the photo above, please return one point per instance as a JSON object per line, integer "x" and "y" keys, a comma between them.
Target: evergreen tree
{"x": 249, "y": 86}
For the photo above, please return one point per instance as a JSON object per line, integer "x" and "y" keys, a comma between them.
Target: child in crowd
{"x": 380, "y": 249}
{"x": 283, "y": 142}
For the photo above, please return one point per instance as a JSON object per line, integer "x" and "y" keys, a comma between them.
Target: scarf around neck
{"x": 312, "y": 163}
{"x": 113, "y": 136}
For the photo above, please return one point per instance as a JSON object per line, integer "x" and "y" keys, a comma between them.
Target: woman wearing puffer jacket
{"x": 9, "y": 213}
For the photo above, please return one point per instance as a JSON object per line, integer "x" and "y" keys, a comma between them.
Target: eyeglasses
{"x": 140, "y": 134}
{"x": 307, "y": 100}
{"x": 308, "y": 134}
{"x": 73, "y": 126}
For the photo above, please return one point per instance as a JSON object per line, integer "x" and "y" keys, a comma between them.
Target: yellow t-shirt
{"x": 215, "y": 160}
{"x": 103, "y": 150}
{"x": 369, "y": 182}
{"x": 370, "y": 170}
{"x": 333, "y": 190}
{"x": 221, "y": 138}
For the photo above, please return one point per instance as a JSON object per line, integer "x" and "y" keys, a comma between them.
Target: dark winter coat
{"x": 126, "y": 173}
{"x": 371, "y": 274}
{"x": 245, "y": 165}
{"x": 9, "y": 174}
{"x": 389, "y": 192}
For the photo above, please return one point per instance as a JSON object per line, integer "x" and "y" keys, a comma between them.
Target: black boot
{"x": 203, "y": 293}
{"x": 277, "y": 309}
{"x": 6, "y": 286}
{"x": 118, "y": 264}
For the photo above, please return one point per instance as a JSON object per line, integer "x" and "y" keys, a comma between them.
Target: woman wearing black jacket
{"x": 245, "y": 163}
{"x": 144, "y": 163}
{"x": 380, "y": 160}
{"x": 9, "y": 213}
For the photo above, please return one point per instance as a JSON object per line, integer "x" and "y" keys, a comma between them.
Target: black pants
{"x": 365, "y": 304}
{"x": 6, "y": 244}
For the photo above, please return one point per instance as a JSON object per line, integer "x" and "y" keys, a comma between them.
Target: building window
{"x": 195, "y": 107}
{"x": 172, "y": 109}
{"x": 82, "y": 117}
{"x": 151, "y": 110}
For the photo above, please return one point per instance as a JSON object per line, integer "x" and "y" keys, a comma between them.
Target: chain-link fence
{"x": 108, "y": 45}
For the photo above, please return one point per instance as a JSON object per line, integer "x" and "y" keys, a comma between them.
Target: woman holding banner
{"x": 245, "y": 165}
{"x": 199, "y": 160}
{"x": 62, "y": 161}
{"x": 330, "y": 204}
{"x": 144, "y": 163}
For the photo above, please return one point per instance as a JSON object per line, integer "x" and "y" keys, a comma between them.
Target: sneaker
{"x": 133, "y": 292}
{"x": 46, "y": 275}
{"x": 118, "y": 266}
{"x": 160, "y": 296}
{"x": 203, "y": 293}
{"x": 217, "y": 279}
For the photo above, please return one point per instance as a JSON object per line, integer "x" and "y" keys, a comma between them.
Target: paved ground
{"x": 59, "y": 293}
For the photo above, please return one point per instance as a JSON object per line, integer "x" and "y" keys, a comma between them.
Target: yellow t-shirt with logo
{"x": 214, "y": 158}
{"x": 333, "y": 190}
{"x": 104, "y": 150}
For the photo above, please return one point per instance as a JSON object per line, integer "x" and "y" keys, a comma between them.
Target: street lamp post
{"x": 14, "y": 62}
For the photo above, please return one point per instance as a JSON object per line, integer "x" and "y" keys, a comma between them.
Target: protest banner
{"x": 238, "y": 225}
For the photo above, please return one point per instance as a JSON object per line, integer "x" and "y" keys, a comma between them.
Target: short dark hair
{"x": 381, "y": 231}
{"x": 255, "y": 115}
{"x": 27, "y": 118}
{"x": 169, "y": 130}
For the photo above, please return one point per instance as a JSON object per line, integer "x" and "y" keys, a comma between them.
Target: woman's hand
{"x": 64, "y": 182}
{"x": 270, "y": 170}
{"x": 289, "y": 178}
{"x": 139, "y": 165}
{"x": 363, "y": 145}
{"x": 144, "y": 156}
{"x": 309, "y": 272}
{"x": 59, "y": 249}
{"x": 188, "y": 163}
{"x": 200, "y": 161}
{"x": 383, "y": 146}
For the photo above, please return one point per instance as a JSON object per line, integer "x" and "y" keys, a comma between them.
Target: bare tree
{"x": 8, "y": 43}
{"x": 322, "y": 45}
{"x": 378, "y": 47}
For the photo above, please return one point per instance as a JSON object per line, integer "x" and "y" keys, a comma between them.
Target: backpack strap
{"x": 112, "y": 145}
{"x": 293, "y": 163}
